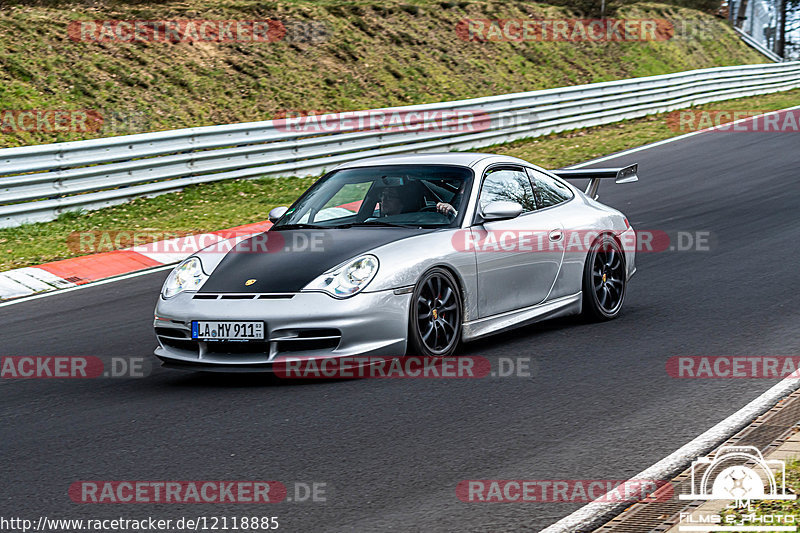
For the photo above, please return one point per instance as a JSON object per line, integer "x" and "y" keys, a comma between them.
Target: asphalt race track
{"x": 599, "y": 404}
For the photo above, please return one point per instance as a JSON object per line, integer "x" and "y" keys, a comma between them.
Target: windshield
{"x": 392, "y": 195}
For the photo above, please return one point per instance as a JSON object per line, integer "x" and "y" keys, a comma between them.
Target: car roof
{"x": 464, "y": 159}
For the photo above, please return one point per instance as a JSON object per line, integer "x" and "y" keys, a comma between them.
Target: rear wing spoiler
{"x": 594, "y": 175}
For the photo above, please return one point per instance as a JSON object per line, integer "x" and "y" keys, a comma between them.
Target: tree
{"x": 788, "y": 24}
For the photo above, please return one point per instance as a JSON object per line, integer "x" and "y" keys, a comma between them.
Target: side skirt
{"x": 566, "y": 305}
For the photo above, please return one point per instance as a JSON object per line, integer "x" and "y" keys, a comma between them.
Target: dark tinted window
{"x": 391, "y": 194}
{"x": 507, "y": 185}
{"x": 548, "y": 191}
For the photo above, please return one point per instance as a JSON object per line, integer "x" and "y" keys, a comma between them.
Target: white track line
{"x": 594, "y": 514}
{"x": 673, "y": 139}
{"x": 88, "y": 285}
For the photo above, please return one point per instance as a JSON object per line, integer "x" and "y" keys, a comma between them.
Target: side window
{"x": 507, "y": 185}
{"x": 548, "y": 191}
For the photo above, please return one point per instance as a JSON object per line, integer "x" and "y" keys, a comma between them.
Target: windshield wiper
{"x": 299, "y": 226}
{"x": 377, "y": 223}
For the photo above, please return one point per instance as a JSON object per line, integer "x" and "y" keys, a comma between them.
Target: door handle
{"x": 556, "y": 235}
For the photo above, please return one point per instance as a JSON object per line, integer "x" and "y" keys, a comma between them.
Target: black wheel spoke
{"x": 438, "y": 315}
{"x": 429, "y": 286}
{"x": 613, "y": 294}
{"x": 604, "y": 279}
{"x": 607, "y": 276}
{"x": 448, "y": 293}
{"x": 427, "y": 334}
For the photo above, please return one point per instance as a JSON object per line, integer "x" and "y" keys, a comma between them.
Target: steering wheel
{"x": 432, "y": 209}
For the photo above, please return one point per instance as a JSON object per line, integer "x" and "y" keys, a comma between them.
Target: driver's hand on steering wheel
{"x": 446, "y": 209}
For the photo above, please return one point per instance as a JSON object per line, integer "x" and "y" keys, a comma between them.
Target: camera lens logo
{"x": 739, "y": 483}
{"x": 738, "y": 473}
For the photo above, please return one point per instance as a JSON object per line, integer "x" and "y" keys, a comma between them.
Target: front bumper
{"x": 298, "y": 326}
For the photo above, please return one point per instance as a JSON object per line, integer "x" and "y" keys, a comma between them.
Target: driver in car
{"x": 393, "y": 201}
{"x": 446, "y": 208}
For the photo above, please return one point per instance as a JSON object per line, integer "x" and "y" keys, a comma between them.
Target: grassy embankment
{"x": 372, "y": 55}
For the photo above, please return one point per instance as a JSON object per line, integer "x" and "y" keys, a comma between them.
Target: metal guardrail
{"x": 37, "y": 183}
{"x": 758, "y": 46}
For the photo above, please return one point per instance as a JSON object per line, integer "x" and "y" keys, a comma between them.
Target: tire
{"x": 435, "y": 314}
{"x": 604, "y": 280}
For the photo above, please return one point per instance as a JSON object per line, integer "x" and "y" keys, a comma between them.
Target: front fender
{"x": 402, "y": 264}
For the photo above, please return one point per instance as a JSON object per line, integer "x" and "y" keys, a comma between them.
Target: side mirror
{"x": 501, "y": 210}
{"x": 277, "y": 213}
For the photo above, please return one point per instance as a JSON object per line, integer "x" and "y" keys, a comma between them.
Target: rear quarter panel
{"x": 583, "y": 220}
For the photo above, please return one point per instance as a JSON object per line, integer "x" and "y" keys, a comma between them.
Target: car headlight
{"x": 188, "y": 276}
{"x": 346, "y": 280}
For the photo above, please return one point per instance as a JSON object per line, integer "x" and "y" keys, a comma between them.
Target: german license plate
{"x": 206, "y": 330}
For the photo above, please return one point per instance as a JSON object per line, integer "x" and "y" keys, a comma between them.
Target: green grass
{"x": 374, "y": 54}
{"x": 774, "y": 507}
{"x": 214, "y": 206}
{"x": 206, "y": 207}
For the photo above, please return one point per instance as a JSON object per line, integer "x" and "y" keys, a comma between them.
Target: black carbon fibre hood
{"x": 286, "y": 261}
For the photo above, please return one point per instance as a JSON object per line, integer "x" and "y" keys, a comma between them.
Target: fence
{"x": 37, "y": 183}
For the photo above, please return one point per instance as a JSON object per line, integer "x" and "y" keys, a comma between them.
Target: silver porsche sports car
{"x": 400, "y": 255}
